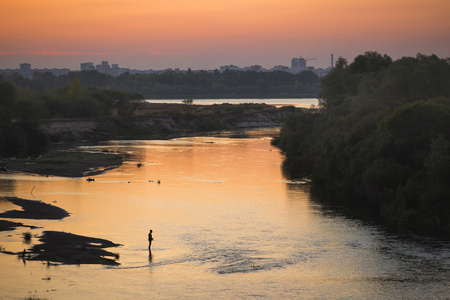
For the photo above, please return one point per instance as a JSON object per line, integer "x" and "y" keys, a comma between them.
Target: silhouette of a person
{"x": 150, "y": 239}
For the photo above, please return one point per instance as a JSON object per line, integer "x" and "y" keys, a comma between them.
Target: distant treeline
{"x": 382, "y": 134}
{"x": 181, "y": 85}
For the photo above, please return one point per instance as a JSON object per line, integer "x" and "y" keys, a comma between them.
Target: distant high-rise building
{"x": 104, "y": 67}
{"x": 115, "y": 70}
{"x": 25, "y": 67}
{"x": 298, "y": 63}
{"x": 25, "y": 70}
{"x": 88, "y": 66}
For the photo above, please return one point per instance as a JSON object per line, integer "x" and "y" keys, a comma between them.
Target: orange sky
{"x": 200, "y": 34}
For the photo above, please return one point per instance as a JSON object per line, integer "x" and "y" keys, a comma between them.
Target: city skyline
{"x": 297, "y": 65}
{"x": 142, "y": 34}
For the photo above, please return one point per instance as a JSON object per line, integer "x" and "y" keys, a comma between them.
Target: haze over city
{"x": 204, "y": 34}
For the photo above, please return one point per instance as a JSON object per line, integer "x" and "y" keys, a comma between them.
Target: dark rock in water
{"x": 33, "y": 209}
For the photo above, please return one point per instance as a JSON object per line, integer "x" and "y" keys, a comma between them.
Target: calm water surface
{"x": 297, "y": 102}
{"x": 227, "y": 225}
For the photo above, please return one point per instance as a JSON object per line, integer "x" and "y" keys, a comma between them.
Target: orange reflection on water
{"x": 225, "y": 223}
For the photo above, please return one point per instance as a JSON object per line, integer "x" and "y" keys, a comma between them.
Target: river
{"x": 227, "y": 224}
{"x": 297, "y": 102}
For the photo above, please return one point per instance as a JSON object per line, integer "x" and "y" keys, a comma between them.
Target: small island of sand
{"x": 65, "y": 163}
{"x": 56, "y": 247}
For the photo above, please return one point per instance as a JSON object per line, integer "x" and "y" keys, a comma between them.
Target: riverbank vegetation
{"x": 22, "y": 111}
{"x": 27, "y": 103}
{"x": 382, "y": 135}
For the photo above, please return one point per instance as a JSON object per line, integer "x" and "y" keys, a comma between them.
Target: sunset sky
{"x": 206, "y": 34}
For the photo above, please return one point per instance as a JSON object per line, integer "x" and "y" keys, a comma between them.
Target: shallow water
{"x": 226, "y": 224}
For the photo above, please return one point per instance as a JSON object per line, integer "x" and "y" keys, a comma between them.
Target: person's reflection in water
{"x": 150, "y": 239}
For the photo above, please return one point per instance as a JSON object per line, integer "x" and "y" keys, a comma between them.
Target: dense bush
{"x": 382, "y": 135}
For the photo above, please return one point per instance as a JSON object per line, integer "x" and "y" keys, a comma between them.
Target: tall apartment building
{"x": 298, "y": 63}
{"x": 104, "y": 67}
{"x": 88, "y": 66}
{"x": 25, "y": 70}
{"x": 115, "y": 70}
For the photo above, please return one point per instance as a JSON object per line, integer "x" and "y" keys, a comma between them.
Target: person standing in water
{"x": 150, "y": 239}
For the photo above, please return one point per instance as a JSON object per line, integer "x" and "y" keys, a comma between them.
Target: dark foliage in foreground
{"x": 383, "y": 135}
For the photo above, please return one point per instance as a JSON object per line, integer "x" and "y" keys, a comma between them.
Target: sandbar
{"x": 57, "y": 247}
{"x": 9, "y": 225}
{"x": 65, "y": 164}
{"x": 68, "y": 248}
{"x": 33, "y": 209}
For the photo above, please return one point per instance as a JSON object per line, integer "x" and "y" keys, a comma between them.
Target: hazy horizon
{"x": 142, "y": 34}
